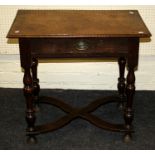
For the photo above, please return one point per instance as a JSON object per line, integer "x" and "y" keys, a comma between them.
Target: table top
{"x": 77, "y": 23}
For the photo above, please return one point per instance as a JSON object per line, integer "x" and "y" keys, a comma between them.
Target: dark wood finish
{"x": 28, "y": 93}
{"x": 70, "y": 47}
{"x": 130, "y": 87}
{"x": 25, "y": 55}
{"x": 121, "y": 81}
{"x": 36, "y": 87}
{"x": 78, "y": 23}
{"x": 128, "y": 114}
{"x": 78, "y": 34}
{"x": 73, "y": 113}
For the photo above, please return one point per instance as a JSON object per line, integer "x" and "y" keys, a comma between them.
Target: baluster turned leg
{"x": 28, "y": 93}
{"x": 36, "y": 87}
{"x": 128, "y": 112}
{"x": 121, "y": 81}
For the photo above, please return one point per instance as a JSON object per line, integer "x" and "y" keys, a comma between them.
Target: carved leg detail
{"x": 128, "y": 112}
{"x": 28, "y": 93}
{"x": 121, "y": 81}
{"x": 36, "y": 87}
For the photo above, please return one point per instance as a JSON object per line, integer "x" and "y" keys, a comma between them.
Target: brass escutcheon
{"x": 81, "y": 45}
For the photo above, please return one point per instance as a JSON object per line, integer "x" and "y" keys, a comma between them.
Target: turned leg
{"x": 36, "y": 87}
{"x": 128, "y": 112}
{"x": 121, "y": 81}
{"x": 28, "y": 93}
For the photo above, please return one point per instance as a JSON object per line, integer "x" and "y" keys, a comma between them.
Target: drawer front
{"x": 79, "y": 47}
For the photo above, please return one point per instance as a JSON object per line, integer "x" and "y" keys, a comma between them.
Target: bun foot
{"x": 31, "y": 140}
{"x": 127, "y": 138}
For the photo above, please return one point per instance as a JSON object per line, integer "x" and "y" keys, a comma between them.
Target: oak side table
{"x": 78, "y": 34}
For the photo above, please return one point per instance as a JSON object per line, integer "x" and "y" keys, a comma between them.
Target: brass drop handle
{"x": 81, "y": 45}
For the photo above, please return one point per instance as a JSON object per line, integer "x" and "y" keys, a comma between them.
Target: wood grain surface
{"x": 78, "y": 23}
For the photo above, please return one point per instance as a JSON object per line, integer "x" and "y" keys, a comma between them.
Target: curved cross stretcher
{"x": 73, "y": 113}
